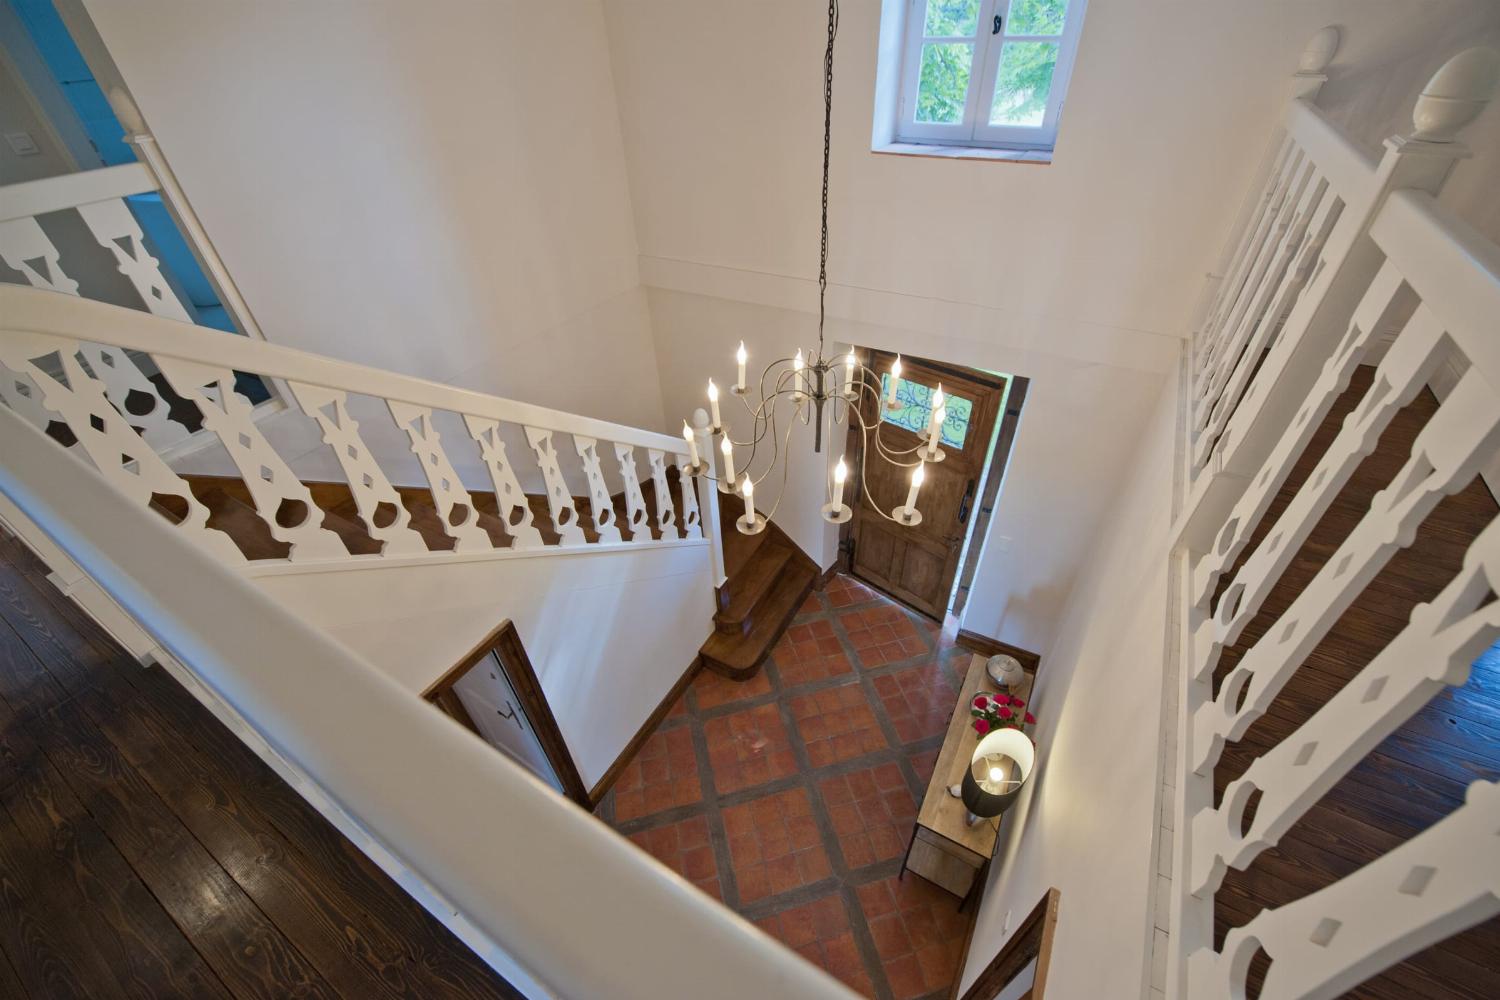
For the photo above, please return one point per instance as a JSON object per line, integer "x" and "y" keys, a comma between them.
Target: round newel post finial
{"x": 1456, "y": 94}
{"x": 126, "y": 111}
{"x": 1319, "y": 51}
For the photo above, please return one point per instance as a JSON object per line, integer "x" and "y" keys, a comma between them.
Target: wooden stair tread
{"x": 741, "y": 594}
{"x": 251, "y": 535}
{"x": 742, "y": 654}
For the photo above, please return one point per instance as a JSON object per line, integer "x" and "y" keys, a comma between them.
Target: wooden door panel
{"x": 918, "y": 563}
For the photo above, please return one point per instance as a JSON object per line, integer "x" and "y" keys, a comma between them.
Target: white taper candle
{"x": 798, "y": 378}
{"x": 747, "y": 490}
{"x": 840, "y": 473}
{"x": 917, "y": 475}
{"x": 692, "y": 443}
{"x": 740, "y": 358}
{"x": 728, "y": 451}
{"x": 935, "y": 431}
{"x": 890, "y": 392}
{"x": 713, "y": 403}
{"x": 849, "y": 373}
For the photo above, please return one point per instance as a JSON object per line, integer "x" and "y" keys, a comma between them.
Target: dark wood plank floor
{"x": 146, "y": 852}
{"x": 1416, "y": 777}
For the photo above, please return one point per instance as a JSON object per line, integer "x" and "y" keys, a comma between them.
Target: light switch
{"x": 22, "y": 144}
{"x": 1002, "y": 543}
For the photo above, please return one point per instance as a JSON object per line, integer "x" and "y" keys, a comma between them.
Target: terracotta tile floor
{"x": 791, "y": 796}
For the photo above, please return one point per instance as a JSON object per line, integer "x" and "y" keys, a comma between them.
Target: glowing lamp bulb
{"x": 740, "y": 355}
{"x": 840, "y": 472}
{"x": 996, "y": 775}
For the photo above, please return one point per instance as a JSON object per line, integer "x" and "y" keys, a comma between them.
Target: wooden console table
{"x": 944, "y": 848}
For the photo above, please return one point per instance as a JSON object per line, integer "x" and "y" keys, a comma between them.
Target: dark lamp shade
{"x": 997, "y": 772}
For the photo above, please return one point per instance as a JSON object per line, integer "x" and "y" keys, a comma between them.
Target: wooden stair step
{"x": 742, "y": 594}
{"x": 739, "y": 656}
{"x": 739, "y": 548}
{"x": 251, "y": 535}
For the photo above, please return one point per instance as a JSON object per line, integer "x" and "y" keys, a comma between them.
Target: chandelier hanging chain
{"x": 824, "y": 395}
{"x": 833, "y": 30}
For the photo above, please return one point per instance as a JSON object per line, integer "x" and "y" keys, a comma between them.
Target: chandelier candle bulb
{"x": 740, "y": 358}
{"x": 728, "y": 450}
{"x": 934, "y": 432}
{"x": 747, "y": 490}
{"x": 799, "y": 379}
{"x": 890, "y": 393}
{"x": 917, "y": 475}
{"x": 713, "y": 405}
{"x": 840, "y": 473}
{"x": 849, "y": 374}
{"x": 692, "y": 443}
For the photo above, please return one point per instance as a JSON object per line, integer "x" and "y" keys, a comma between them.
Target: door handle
{"x": 999, "y": 23}
{"x": 967, "y": 504}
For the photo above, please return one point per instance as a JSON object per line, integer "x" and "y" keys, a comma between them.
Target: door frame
{"x": 992, "y": 473}
{"x": 505, "y": 643}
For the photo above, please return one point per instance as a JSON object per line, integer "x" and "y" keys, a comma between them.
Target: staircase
{"x": 767, "y": 578}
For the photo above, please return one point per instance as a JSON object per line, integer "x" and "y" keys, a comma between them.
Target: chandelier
{"x": 825, "y": 392}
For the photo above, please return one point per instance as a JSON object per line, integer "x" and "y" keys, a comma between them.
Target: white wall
{"x": 1374, "y": 84}
{"x": 1081, "y": 275}
{"x": 1086, "y": 824}
{"x": 435, "y": 188}
{"x": 609, "y": 633}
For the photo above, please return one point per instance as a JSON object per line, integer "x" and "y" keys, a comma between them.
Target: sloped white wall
{"x": 434, "y": 188}
{"x": 609, "y": 633}
{"x": 1086, "y": 824}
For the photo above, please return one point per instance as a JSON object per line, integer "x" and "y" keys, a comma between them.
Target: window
{"x": 914, "y": 410}
{"x": 986, "y": 72}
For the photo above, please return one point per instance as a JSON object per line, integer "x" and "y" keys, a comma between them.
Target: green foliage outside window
{"x": 1023, "y": 83}
{"x": 1036, "y": 17}
{"x": 951, "y": 17}
{"x": 1024, "y": 80}
{"x": 945, "y": 82}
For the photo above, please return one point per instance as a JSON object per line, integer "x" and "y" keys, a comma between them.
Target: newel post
{"x": 1453, "y": 98}
{"x": 708, "y": 497}
{"x": 176, "y": 201}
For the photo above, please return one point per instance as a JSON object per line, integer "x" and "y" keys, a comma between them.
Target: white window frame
{"x": 974, "y": 129}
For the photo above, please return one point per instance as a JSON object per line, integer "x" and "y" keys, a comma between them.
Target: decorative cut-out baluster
{"x": 635, "y": 501}
{"x": 559, "y": 497}
{"x": 510, "y": 499}
{"x": 117, "y": 231}
{"x": 1232, "y": 292}
{"x": 21, "y": 394}
{"x": 133, "y": 394}
{"x": 692, "y": 518}
{"x": 1372, "y": 314}
{"x": 27, "y": 249}
{"x": 1446, "y": 456}
{"x": 454, "y": 505}
{"x": 1329, "y": 941}
{"x": 599, "y": 499}
{"x": 124, "y": 459}
{"x": 380, "y": 507}
{"x": 1435, "y": 650}
{"x": 1252, "y": 297}
{"x": 1304, "y": 250}
{"x": 279, "y": 496}
{"x": 665, "y": 512}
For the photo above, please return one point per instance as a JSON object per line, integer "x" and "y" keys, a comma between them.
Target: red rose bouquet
{"x": 999, "y": 711}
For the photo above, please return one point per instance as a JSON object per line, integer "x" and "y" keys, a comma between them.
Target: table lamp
{"x": 998, "y": 769}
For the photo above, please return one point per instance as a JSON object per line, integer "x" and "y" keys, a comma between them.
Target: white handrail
{"x": 33, "y": 310}
{"x": 578, "y": 907}
{"x": 53, "y": 194}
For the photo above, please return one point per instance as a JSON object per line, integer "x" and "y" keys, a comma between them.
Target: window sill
{"x": 944, "y": 152}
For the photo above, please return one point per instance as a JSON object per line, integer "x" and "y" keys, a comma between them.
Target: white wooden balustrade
{"x": 67, "y": 361}
{"x": 551, "y": 897}
{"x": 1341, "y": 259}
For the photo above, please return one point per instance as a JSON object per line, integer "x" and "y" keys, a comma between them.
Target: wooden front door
{"x": 917, "y": 564}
